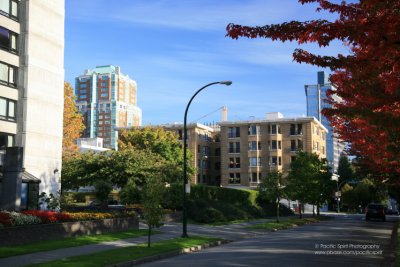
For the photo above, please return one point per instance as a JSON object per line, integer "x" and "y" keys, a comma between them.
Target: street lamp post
{"x": 185, "y": 181}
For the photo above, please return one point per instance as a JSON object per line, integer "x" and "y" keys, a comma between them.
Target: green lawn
{"x": 129, "y": 253}
{"x": 285, "y": 223}
{"x": 8, "y": 251}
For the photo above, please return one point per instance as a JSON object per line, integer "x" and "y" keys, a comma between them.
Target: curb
{"x": 390, "y": 255}
{"x": 170, "y": 254}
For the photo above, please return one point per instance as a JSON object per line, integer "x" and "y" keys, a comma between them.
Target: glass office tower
{"x": 316, "y": 96}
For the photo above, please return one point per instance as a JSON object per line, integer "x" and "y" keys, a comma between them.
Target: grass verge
{"x": 9, "y": 251}
{"x": 120, "y": 255}
{"x": 285, "y": 223}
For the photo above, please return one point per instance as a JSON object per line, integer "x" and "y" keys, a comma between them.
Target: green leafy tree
{"x": 116, "y": 167}
{"x": 160, "y": 142}
{"x": 348, "y": 198}
{"x": 103, "y": 190}
{"x": 345, "y": 169}
{"x": 309, "y": 180}
{"x": 271, "y": 189}
{"x": 153, "y": 192}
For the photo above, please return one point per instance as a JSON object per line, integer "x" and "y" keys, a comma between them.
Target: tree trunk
{"x": 277, "y": 210}
{"x": 300, "y": 215}
{"x": 318, "y": 206}
{"x": 148, "y": 237}
{"x": 313, "y": 210}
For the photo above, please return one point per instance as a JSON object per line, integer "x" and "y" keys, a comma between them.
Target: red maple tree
{"x": 367, "y": 80}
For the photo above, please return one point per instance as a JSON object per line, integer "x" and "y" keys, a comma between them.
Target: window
{"x": 218, "y": 151}
{"x": 8, "y": 74}
{"x": 234, "y": 178}
{"x": 234, "y": 147}
{"x": 6, "y": 140}
{"x": 292, "y": 129}
{"x": 82, "y": 96}
{"x": 180, "y": 135}
{"x": 8, "y": 40}
{"x": 255, "y": 177}
{"x": 274, "y": 129}
{"x": 254, "y": 129}
{"x": 299, "y": 144}
{"x": 292, "y": 145}
{"x": 254, "y": 161}
{"x": 9, "y": 8}
{"x": 254, "y": 145}
{"x": 83, "y": 85}
{"x": 274, "y": 145}
{"x": 233, "y": 132}
{"x": 299, "y": 129}
{"x": 217, "y": 166}
{"x": 205, "y": 150}
{"x": 234, "y": 163}
{"x": 274, "y": 161}
{"x": 7, "y": 109}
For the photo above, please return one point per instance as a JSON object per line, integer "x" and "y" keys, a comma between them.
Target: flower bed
{"x": 29, "y": 217}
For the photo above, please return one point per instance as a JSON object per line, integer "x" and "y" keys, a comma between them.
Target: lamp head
{"x": 226, "y": 82}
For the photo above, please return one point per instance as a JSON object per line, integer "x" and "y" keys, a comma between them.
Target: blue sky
{"x": 172, "y": 48}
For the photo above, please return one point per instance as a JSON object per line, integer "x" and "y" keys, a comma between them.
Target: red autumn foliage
{"x": 49, "y": 216}
{"x": 367, "y": 80}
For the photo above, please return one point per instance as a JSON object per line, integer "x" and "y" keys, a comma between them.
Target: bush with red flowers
{"x": 5, "y": 219}
{"x": 49, "y": 216}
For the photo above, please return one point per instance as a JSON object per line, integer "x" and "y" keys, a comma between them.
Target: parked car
{"x": 111, "y": 204}
{"x": 392, "y": 211}
{"x": 376, "y": 211}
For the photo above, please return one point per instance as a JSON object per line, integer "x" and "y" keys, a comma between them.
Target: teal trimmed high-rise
{"x": 107, "y": 99}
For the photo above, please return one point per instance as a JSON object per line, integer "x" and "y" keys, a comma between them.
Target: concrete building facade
{"x": 31, "y": 89}
{"x": 316, "y": 96}
{"x": 107, "y": 99}
{"x": 252, "y": 149}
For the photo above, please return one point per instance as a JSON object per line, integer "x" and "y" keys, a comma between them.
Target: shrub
{"x": 49, "y": 216}
{"x": 230, "y": 212}
{"x": 5, "y": 218}
{"x": 130, "y": 194}
{"x": 173, "y": 197}
{"x": 23, "y": 219}
{"x": 202, "y": 211}
{"x": 270, "y": 210}
{"x": 103, "y": 189}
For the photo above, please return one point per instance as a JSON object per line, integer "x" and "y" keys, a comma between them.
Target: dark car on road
{"x": 376, "y": 211}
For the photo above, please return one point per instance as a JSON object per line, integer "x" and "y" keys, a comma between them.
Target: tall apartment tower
{"x": 31, "y": 97}
{"x": 251, "y": 149}
{"x": 316, "y": 96}
{"x": 107, "y": 100}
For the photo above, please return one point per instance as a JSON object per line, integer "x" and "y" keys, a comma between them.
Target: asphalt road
{"x": 347, "y": 240}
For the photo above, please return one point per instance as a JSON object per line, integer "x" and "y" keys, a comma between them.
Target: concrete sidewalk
{"x": 170, "y": 230}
